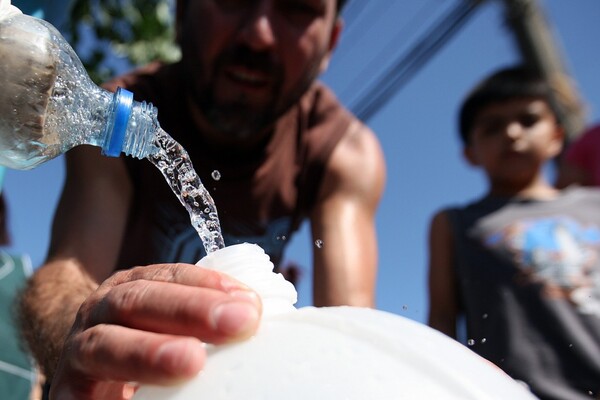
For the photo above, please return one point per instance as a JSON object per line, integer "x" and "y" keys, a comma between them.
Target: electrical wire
{"x": 416, "y": 23}
{"x": 408, "y": 64}
{"x": 353, "y": 11}
{"x": 361, "y": 25}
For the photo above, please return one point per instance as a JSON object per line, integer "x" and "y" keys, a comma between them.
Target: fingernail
{"x": 248, "y": 295}
{"x": 235, "y": 318}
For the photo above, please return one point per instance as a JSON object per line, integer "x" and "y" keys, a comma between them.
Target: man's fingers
{"x": 116, "y": 353}
{"x": 163, "y": 307}
{"x": 185, "y": 274}
{"x": 148, "y": 325}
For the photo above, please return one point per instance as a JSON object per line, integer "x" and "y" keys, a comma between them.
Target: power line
{"x": 417, "y": 21}
{"x": 368, "y": 19}
{"x": 407, "y": 65}
{"x": 353, "y": 10}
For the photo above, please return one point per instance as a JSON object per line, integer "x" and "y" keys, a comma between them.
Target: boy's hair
{"x": 503, "y": 85}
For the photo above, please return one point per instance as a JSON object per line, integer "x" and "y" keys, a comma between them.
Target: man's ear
{"x": 334, "y": 37}
{"x": 470, "y": 156}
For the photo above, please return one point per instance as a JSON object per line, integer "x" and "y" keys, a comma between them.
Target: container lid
{"x": 249, "y": 264}
{"x": 117, "y": 126}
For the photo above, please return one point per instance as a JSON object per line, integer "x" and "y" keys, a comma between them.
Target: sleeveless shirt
{"x": 529, "y": 284}
{"x": 261, "y": 197}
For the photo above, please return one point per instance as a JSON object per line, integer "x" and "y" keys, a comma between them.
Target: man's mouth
{"x": 250, "y": 77}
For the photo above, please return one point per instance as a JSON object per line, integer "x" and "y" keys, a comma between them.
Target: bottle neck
{"x": 131, "y": 128}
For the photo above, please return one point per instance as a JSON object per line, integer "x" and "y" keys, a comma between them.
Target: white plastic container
{"x": 332, "y": 353}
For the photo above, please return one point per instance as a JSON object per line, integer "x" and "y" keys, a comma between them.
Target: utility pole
{"x": 539, "y": 50}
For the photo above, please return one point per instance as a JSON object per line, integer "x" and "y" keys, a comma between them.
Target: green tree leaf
{"x": 111, "y": 34}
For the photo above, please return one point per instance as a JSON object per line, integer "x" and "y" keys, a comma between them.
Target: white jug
{"x": 332, "y": 353}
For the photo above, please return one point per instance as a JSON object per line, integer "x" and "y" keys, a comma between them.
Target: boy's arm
{"x": 345, "y": 266}
{"x": 443, "y": 288}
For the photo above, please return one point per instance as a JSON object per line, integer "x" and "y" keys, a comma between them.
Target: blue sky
{"x": 417, "y": 129}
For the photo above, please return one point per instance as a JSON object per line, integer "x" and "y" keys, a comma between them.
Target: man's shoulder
{"x": 322, "y": 115}
{"x": 319, "y": 99}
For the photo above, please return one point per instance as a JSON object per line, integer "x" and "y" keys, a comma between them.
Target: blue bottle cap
{"x": 115, "y": 130}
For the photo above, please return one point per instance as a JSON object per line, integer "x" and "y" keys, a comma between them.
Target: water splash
{"x": 174, "y": 163}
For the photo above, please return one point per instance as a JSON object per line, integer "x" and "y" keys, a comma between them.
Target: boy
{"x": 522, "y": 264}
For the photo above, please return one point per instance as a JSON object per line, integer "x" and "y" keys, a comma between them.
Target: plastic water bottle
{"x": 49, "y": 104}
{"x": 336, "y": 353}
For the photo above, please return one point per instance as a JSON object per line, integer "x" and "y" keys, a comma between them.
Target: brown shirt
{"x": 261, "y": 197}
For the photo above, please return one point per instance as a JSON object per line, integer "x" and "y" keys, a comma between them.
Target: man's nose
{"x": 257, "y": 29}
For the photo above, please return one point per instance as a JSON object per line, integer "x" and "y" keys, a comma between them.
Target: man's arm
{"x": 141, "y": 325}
{"x": 443, "y": 296}
{"x": 343, "y": 222}
{"x": 86, "y": 237}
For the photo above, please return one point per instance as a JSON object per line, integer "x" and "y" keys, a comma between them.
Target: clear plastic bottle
{"x": 49, "y": 104}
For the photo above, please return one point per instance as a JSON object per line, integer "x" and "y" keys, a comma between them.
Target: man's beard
{"x": 235, "y": 119}
{"x": 239, "y": 118}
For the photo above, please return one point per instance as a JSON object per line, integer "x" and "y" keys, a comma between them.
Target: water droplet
{"x": 470, "y": 342}
{"x": 483, "y": 340}
{"x": 216, "y": 175}
{"x": 484, "y": 316}
{"x": 570, "y": 344}
{"x": 319, "y": 243}
{"x": 283, "y": 237}
{"x": 405, "y": 307}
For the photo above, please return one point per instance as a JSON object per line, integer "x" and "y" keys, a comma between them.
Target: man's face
{"x": 250, "y": 60}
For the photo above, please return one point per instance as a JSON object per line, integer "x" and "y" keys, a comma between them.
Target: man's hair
{"x": 503, "y": 85}
{"x": 340, "y": 5}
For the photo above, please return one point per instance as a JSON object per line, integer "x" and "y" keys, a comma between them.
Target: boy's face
{"x": 511, "y": 140}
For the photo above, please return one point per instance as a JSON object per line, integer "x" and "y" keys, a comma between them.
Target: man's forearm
{"x": 47, "y": 309}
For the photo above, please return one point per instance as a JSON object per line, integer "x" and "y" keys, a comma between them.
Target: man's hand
{"x": 148, "y": 325}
